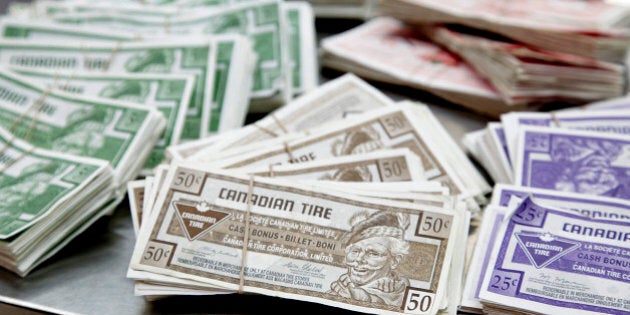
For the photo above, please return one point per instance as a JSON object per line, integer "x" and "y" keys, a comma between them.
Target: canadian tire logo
{"x": 544, "y": 248}
{"x": 198, "y": 218}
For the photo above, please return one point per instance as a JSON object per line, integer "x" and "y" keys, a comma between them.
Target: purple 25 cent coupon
{"x": 554, "y": 261}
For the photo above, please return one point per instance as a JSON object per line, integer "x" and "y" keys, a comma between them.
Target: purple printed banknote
{"x": 506, "y": 197}
{"x": 612, "y": 121}
{"x": 556, "y": 261}
{"x": 583, "y": 162}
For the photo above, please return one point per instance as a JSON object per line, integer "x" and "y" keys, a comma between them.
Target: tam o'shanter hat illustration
{"x": 379, "y": 224}
{"x": 353, "y": 174}
{"x": 357, "y": 142}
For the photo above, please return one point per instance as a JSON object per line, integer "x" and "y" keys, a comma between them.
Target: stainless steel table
{"x": 88, "y": 276}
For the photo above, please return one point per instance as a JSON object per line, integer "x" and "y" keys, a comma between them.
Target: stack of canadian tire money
{"x": 64, "y": 162}
{"x": 341, "y": 197}
{"x": 555, "y": 237}
{"x": 244, "y": 55}
{"x": 489, "y": 56}
{"x": 93, "y": 92}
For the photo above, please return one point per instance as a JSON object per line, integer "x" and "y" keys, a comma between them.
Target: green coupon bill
{"x": 120, "y": 132}
{"x": 233, "y": 67}
{"x": 170, "y": 94}
{"x": 34, "y": 182}
{"x": 196, "y": 57}
{"x": 261, "y": 21}
{"x": 299, "y": 32}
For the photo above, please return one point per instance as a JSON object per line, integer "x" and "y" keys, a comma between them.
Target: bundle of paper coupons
{"x": 555, "y": 238}
{"x": 368, "y": 220}
{"x": 491, "y": 56}
{"x": 64, "y": 160}
{"x": 98, "y": 90}
{"x": 242, "y": 54}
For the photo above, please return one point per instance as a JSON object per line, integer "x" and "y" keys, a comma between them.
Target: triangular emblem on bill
{"x": 543, "y": 249}
{"x": 198, "y": 218}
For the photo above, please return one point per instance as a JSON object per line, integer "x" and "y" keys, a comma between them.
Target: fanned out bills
{"x": 119, "y": 132}
{"x": 77, "y": 79}
{"x": 387, "y": 128}
{"x": 172, "y": 56}
{"x": 219, "y": 73}
{"x": 556, "y": 240}
{"x": 385, "y": 49}
{"x": 343, "y": 97}
{"x": 169, "y": 93}
{"x": 593, "y": 29}
{"x": 298, "y": 228}
{"x": 506, "y": 196}
{"x": 481, "y": 71}
{"x": 554, "y": 260}
{"x": 499, "y": 141}
{"x": 281, "y": 34}
{"x": 261, "y": 21}
{"x": 47, "y": 197}
{"x": 522, "y": 73}
{"x": 490, "y": 56}
{"x": 344, "y": 150}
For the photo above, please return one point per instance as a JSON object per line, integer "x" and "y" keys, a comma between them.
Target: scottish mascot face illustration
{"x": 375, "y": 247}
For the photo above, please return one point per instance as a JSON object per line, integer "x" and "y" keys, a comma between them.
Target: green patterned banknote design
{"x": 180, "y": 58}
{"x": 152, "y": 61}
{"x": 75, "y": 126}
{"x": 260, "y": 21}
{"x": 168, "y": 98}
{"x": 31, "y": 184}
{"x": 170, "y": 94}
